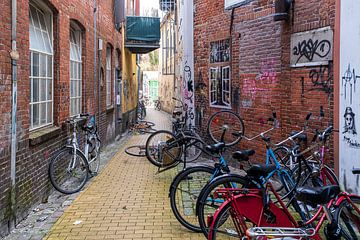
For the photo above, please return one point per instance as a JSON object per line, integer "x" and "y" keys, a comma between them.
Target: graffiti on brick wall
{"x": 322, "y": 78}
{"x": 267, "y": 72}
{"x": 312, "y": 47}
{"x": 349, "y": 80}
{"x": 260, "y": 86}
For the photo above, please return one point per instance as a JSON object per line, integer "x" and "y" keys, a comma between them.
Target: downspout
{"x": 139, "y": 79}
{"x": 95, "y": 59}
{"x": 14, "y": 57}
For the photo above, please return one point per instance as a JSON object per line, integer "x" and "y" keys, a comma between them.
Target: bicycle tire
{"x": 58, "y": 180}
{"x": 136, "y": 151}
{"x": 219, "y": 182}
{"x": 344, "y": 214}
{"x": 147, "y": 123}
{"x": 236, "y": 125}
{"x": 164, "y": 152}
{"x": 196, "y": 146}
{"x": 192, "y": 176}
{"x": 94, "y": 155}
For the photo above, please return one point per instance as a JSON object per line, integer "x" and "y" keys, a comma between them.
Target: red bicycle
{"x": 245, "y": 209}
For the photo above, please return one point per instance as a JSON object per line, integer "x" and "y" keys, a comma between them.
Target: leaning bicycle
{"x": 70, "y": 168}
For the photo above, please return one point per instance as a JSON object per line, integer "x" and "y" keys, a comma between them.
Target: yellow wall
{"x": 129, "y": 80}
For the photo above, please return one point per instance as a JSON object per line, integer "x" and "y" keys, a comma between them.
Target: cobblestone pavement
{"x": 127, "y": 200}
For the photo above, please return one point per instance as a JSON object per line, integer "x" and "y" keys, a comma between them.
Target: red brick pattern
{"x": 32, "y": 161}
{"x": 260, "y": 63}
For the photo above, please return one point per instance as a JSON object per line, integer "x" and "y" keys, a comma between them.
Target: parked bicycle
{"x": 340, "y": 209}
{"x": 141, "y": 109}
{"x": 157, "y": 105}
{"x": 70, "y": 168}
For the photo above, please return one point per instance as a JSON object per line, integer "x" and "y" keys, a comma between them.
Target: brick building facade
{"x": 283, "y": 66}
{"x": 57, "y": 77}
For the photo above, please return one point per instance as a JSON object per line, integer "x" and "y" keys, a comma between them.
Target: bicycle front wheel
{"x": 226, "y": 126}
{"x": 68, "y": 171}
{"x": 207, "y": 204}
{"x": 348, "y": 218}
{"x": 184, "y": 192}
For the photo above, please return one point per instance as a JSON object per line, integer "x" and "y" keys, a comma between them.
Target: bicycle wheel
{"x": 184, "y": 192}
{"x": 68, "y": 171}
{"x": 348, "y": 218}
{"x": 207, "y": 203}
{"x": 194, "y": 145}
{"x": 136, "y": 151}
{"x": 229, "y": 122}
{"x": 163, "y": 149}
{"x": 94, "y": 155}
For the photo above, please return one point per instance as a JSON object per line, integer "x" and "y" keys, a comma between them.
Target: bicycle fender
{"x": 250, "y": 206}
{"x": 172, "y": 185}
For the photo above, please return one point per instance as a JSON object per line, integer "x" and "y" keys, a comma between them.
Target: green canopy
{"x": 143, "y": 29}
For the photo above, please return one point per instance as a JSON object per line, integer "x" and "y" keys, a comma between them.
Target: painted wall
{"x": 129, "y": 79}
{"x": 349, "y": 142}
{"x": 186, "y": 56}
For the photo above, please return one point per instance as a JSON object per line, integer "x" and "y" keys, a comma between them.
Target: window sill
{"x": 42, "y": 135}
{"x": 110, "y": 109}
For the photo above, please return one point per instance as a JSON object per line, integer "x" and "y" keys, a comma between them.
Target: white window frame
{"x": 75, "y": 74}
{"x": 45, "y": 106}
{"x": 213, "y": 90}
{"x": 224, "y": 80}
{"x": 108, "y": 76}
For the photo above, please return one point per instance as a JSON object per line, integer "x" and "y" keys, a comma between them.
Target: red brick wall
{"x": 260, "y": 65}
{"x": 32, "y": 161}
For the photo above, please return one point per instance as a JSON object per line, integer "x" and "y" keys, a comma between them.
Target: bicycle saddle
{"x": 243, "y": 155}
{"x": 317, "y": 195}
{"x": 215, "y": 148}
{"x": 260, "y": 170}
{"x": 301, "y": 137}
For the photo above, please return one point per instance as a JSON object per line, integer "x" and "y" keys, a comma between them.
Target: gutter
{"x": 14, "y": 57}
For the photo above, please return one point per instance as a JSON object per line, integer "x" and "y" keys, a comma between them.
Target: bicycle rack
{"x": 280, "y": 232}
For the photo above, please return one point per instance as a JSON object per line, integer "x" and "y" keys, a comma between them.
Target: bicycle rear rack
{"x": 279, "y": 232}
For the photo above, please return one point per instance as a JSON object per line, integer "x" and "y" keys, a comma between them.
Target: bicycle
{"x": 188, "y": 184}
{"x": 281, "y": 175}
{"x": 342, "y": 211}
{"x": 141, "y": 109}
{"x": 70, "y": 168}
{"x": 157, "y": 105}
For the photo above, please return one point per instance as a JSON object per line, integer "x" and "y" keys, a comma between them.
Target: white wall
{"x": 349, "y": 94}
{"x": 186, "y": 52}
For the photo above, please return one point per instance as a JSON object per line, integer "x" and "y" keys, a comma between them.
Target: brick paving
{"x": 128, "y": 200}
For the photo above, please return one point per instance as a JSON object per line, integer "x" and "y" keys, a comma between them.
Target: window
{"x": 75, "y": 71}
{"x": 108, "y": 76}
{"x": 220, "y": 75}
{"x": 41, "y": 67}
{"x": 168, "y": 48}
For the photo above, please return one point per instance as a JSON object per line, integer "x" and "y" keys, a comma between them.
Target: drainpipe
{"x": 138, "y": 79}
{"x": 95, "y": 58}
{"x": 14, "y": 57}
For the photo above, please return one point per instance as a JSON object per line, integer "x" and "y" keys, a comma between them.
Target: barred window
{"x": 41, "y": 67}
{"x": 75, "y": 71}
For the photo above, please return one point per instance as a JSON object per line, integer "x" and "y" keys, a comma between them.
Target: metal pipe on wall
{"x": 14, "y": 57}
{"x": 95, "y": 57}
